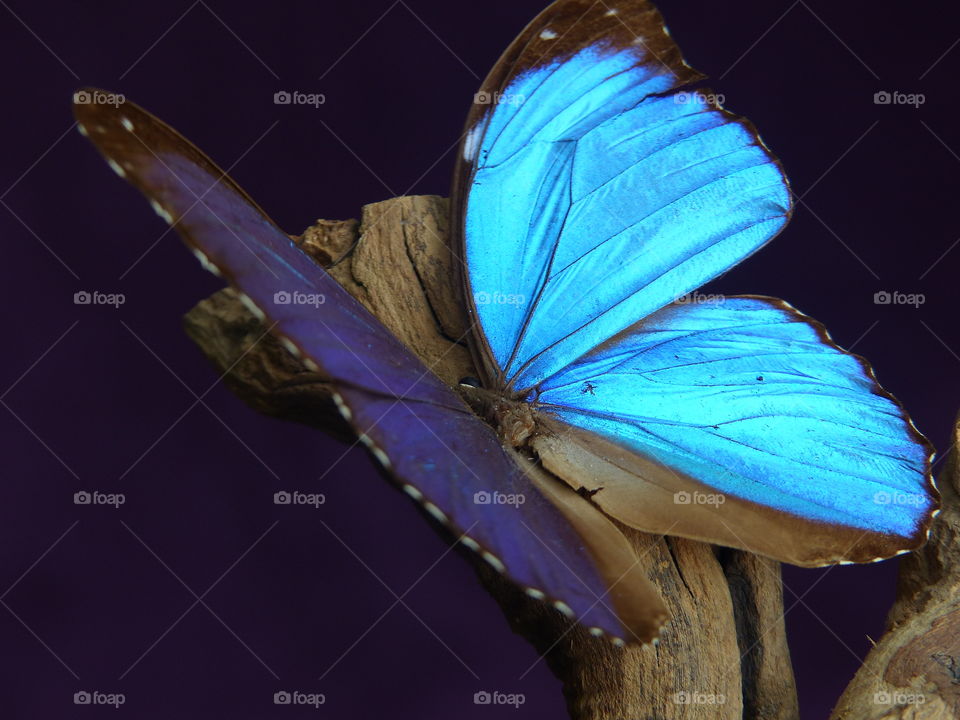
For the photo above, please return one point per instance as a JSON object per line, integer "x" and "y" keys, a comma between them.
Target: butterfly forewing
{"x": 590, "y": 194}
{"x": 418, "y": 428}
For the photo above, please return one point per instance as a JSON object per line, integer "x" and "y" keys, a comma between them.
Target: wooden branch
{"x": 913, "y": 672}
{"x": 723, "y": 655}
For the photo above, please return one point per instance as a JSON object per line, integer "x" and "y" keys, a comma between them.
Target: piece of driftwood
{"x": 723, "y": 655}
{"x": 913, "y": 672}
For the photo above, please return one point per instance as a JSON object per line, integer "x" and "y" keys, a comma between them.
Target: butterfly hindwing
{"x": 418, "y": 428}
{"x": 739, "y": 421}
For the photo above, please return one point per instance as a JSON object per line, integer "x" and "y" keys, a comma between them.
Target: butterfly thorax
{"x": 514, "y": 420}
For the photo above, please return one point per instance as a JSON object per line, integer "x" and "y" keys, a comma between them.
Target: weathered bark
{"x": 723, "y": 655}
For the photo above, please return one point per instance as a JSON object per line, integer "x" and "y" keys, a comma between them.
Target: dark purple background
{"x": 90, "y": 406}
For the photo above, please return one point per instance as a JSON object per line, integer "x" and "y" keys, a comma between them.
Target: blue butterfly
{"x": 593, "y": 195}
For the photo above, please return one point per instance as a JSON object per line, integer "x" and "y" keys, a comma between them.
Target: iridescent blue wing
{"x": 594, "y": 191}
{"x": 744, "y": 425}
{"x": 590, "y": 193}
{"x": 555, "y": 545}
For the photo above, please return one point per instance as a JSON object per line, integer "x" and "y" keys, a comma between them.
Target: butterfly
{"x": 596, "y": 188}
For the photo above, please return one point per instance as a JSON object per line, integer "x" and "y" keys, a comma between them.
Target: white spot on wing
{"x": 127, "y": 124}
{"x": 311, "y": 365}
{"x": 82, "y": 130}
{"x": 470, "y": 543}
{"x": 494, "y": 561}
{"x": 408, "y": 489}
{"x": 611, "y": 12}
{"x": 205, "y": 261}
{"x": 564, "y": 608}
{"x": 548, "y": 34}
{"x": 347, "y": 414}
{"x": 295, "y": 351}
{"x": 535, "y": 594}
{"x": 436, "y": 512}
{"x": 161, "y": 211}
{"x": 381, "y": 456}
{"x": 595, "y": 631}
{"x": 116, "y": 168}
{"x": 471, "y": 143}
{"x": 252, "y": 307}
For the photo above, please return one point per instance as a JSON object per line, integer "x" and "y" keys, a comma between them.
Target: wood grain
{"x": 723, "y": 655}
